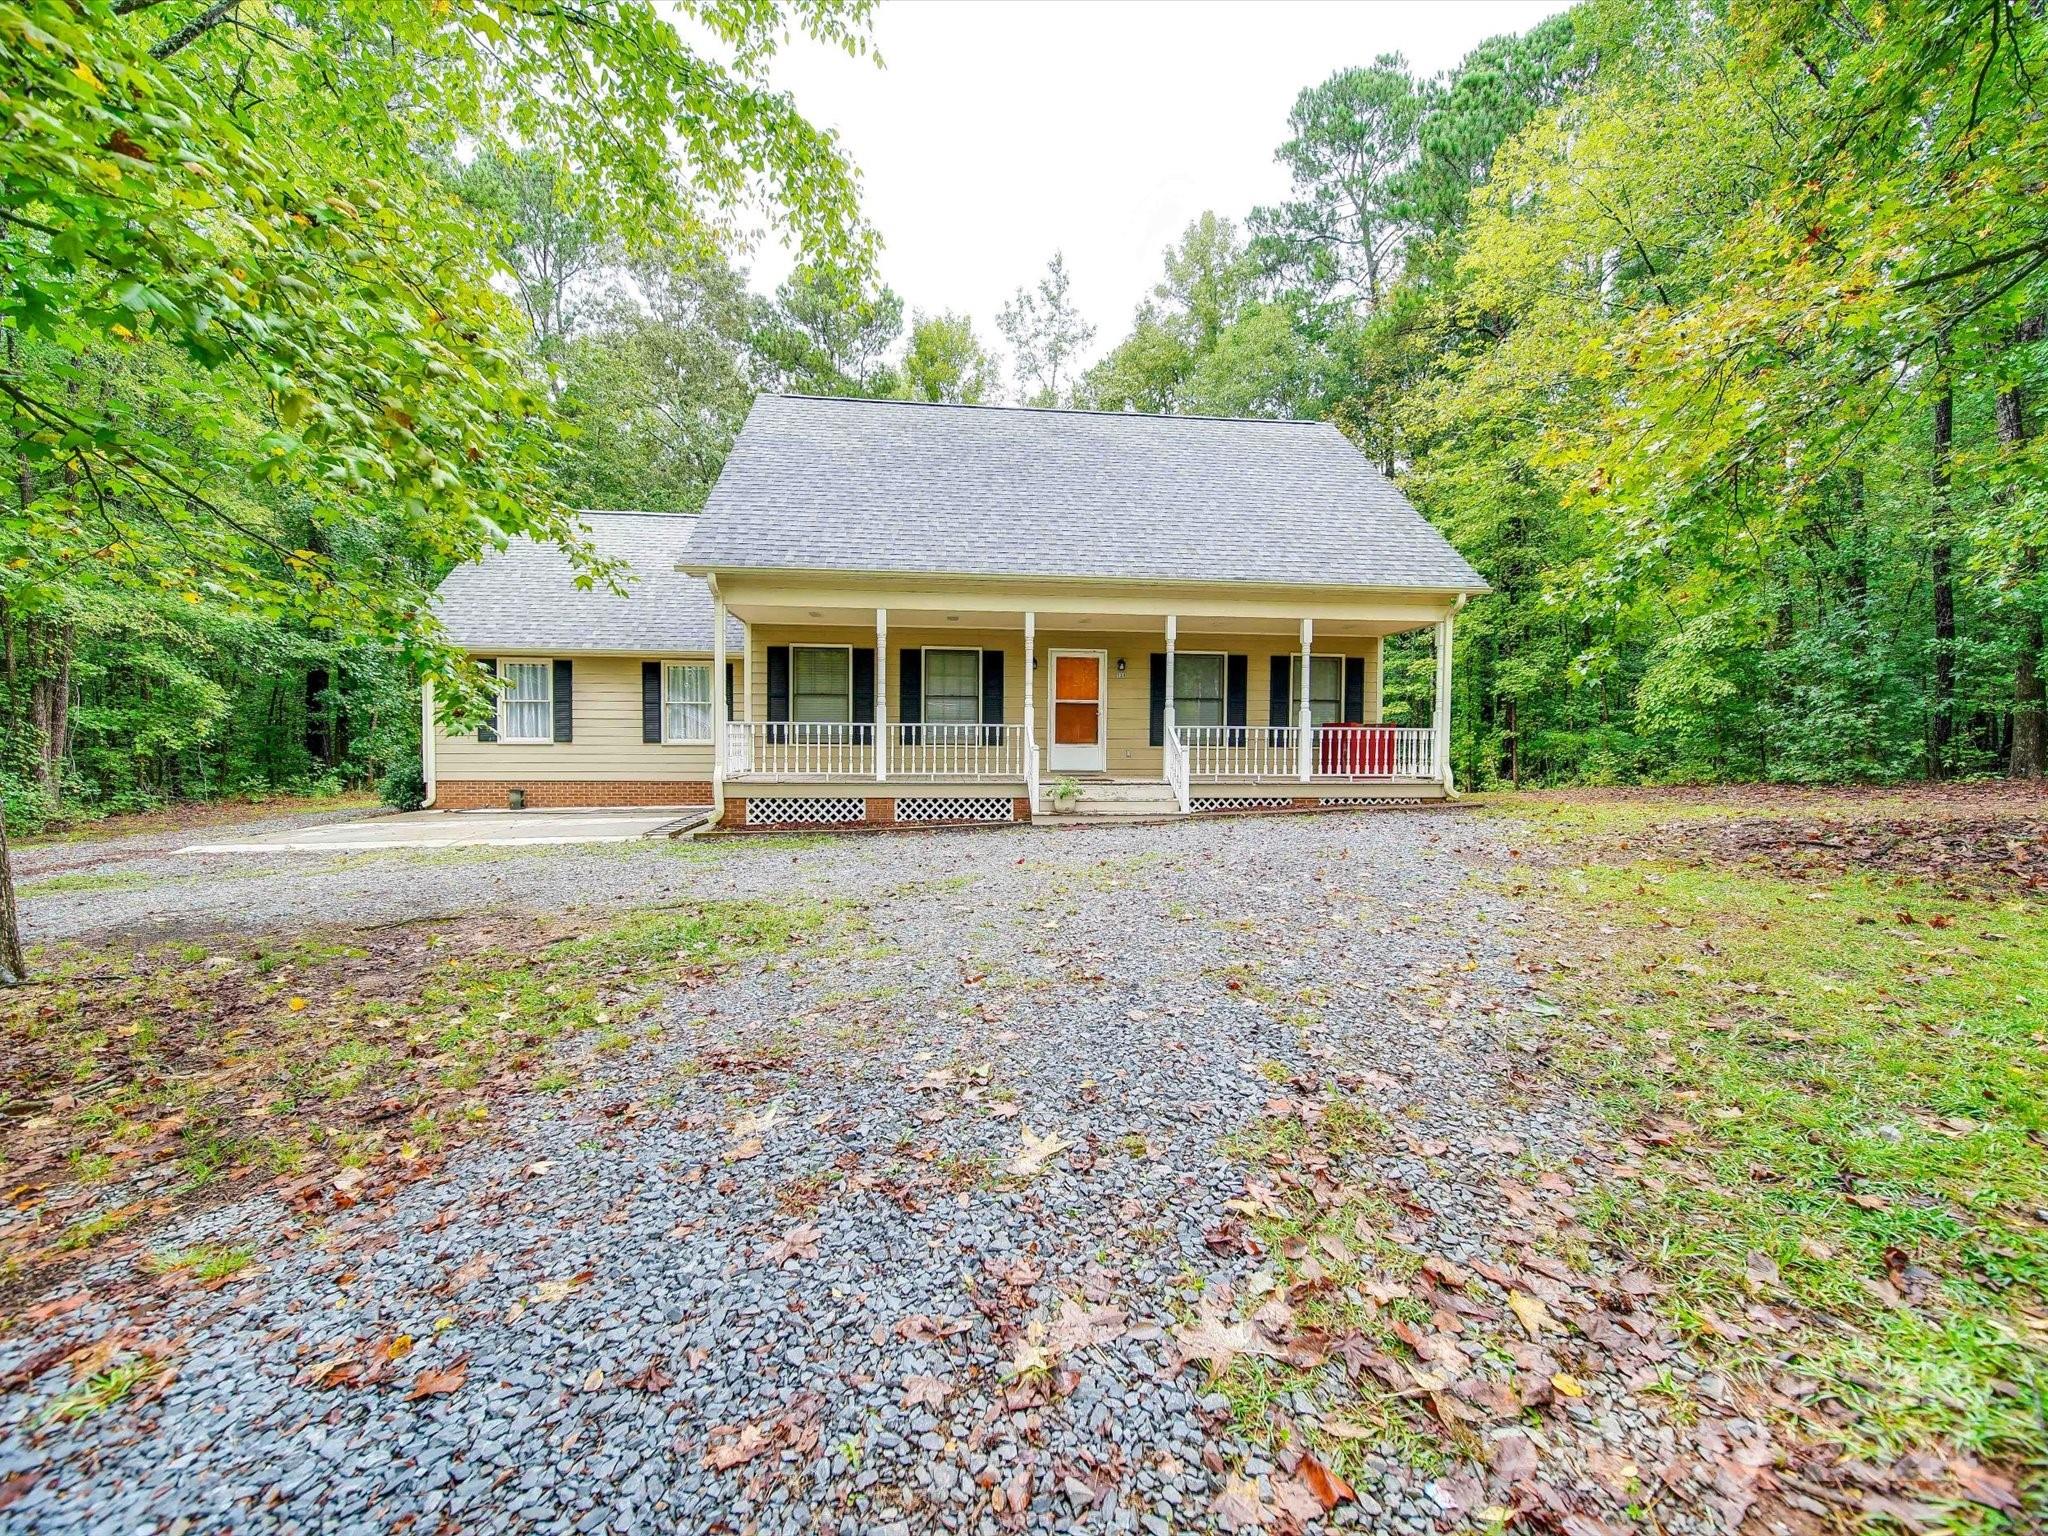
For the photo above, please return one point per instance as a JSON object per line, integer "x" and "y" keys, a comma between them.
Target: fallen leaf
{"x": 1330, "y": 1489}
{"x": 439, "y": 1381}
{"x": 925, "y": 1391}
{"x": 1038, "y": 1151}
{"x": 800, "y": 1242}
{"x": 1237, "y": 1507}
{"x": 1532, "y": 1314}
{"x": 1567, "y": 1384}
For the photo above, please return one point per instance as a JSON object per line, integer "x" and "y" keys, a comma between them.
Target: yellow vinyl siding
{"x": 607, "y": 742}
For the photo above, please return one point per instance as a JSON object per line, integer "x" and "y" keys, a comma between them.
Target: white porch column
{"x": 1172, "y": 630}
{"x": 1304, "y": 717}
{"x": 718, "y": 721}
{"x": 1440, "y": 722}
{"x": 427, "y": 739}
{"x": 881, "y": 694}
{"x": 1030, "y": 709}
{"x": 746, "y": 671}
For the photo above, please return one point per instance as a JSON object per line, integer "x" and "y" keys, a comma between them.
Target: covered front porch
{"x": 923, "y": 711}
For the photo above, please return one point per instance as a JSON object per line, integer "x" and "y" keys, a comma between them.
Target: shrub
{"x": 404, "y": 785}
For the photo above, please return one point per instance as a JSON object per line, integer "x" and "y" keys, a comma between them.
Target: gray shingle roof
{"x": 524, "y": 597}
{"x": 886, "y": 486}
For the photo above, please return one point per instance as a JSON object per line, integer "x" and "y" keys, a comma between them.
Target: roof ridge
{"x": 1049, "y": 410}
{"x": 629, "y": 512}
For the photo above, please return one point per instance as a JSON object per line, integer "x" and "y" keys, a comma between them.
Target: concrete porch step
{"x": 1123, "y": 800}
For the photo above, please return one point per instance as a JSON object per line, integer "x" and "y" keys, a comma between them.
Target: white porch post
{"x": 718, "y": 721}
{"x": 427, "y": 739}
{"x": 746, "y": 671}
{"x": 1030, "y": 710}
{"x": 1306, "y": 757}
{"x": 1441, "y": 721}
{"x": 881, "y": 694}
{"x": 1172, "y": 630}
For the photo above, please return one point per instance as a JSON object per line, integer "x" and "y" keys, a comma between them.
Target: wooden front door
{"x": 1079, "y": 709}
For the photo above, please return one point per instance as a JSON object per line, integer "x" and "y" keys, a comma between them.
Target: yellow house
{"x": 938, "y": 614}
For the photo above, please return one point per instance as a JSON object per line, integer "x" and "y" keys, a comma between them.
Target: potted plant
{"x": 1064, "y": 793}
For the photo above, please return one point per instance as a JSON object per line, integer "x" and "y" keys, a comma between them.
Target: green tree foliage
{"x": 945, "y": 363}
{"x": 826, "y": 334}
{"x": 1714, "y": 336}
{"x": 656, "y": 385}
{"x": 258, "y": 361}
{"x": 1341, "y": 237}
{"x": 1047, "y": 337}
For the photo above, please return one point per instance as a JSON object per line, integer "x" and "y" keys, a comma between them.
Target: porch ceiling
{"x": 911, "y": 616}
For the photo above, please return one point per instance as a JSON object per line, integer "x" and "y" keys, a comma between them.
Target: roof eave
{"x": 851, "y": 573}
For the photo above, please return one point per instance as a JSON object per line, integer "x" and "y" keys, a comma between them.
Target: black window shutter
{"x": 991, "y": 687}
{"x": 863, "y": 692}
{"x": 778, "y": 682}
{"x": 565, "y": 701}
{"x": 1354, "y": 690}
{"x": 488, "y": 731}
{"x": 732, "y": 672}
{"x": 1158, "y": 737}
{"x": 650, "y": 701}
{"x": 1276, "y": 707}
{"x": 910, "y": 684}
{"x": 1236, "y": 674}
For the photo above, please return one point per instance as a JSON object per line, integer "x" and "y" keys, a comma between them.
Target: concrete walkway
{"x": 471, "y": 829}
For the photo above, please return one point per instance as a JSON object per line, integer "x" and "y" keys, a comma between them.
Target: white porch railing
{"x": 1241, "y": 751}
{"x": 1177, "y": 770}
{"x": 792, "y": 749}
{"x": 1335, "y": 752}
{"x": 963, "y": 752}
{"x": 789, "y": 749}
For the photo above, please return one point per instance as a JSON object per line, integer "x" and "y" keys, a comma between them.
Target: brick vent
{"x": 568, "y": 794}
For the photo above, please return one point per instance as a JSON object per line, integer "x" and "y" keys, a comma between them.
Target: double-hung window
{"x": 952, "y": 688}
{"x": 686, "y": 701}
{"x": 1198, "y": 689}
{"x": 1325, "y": 690}
{"x": 821, "y": 688}
{"x": 526, "y": 702}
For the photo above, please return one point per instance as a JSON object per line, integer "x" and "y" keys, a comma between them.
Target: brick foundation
{"x": 568, "y": 794}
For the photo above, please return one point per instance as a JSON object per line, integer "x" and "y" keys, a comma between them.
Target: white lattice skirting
{"x": 1364, "y": 800}
{"x": 1246, "y": 803}
{"x": 926, "y": 808}
{"x": 805, "y": 810}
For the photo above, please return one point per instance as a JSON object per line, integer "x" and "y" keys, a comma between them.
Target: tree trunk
{"x": 1941, "y": 725}
{"x": 2029, "y": 757}
{"x": 13, "y": 970}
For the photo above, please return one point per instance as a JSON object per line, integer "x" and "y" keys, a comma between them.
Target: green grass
{"x": 207, "y": 1262}
{"x": 101, "y": 1391}
{"x": 1852, "y": 1081}
{"x": 281, "y": 1056}
{"x": 51, "y": 885}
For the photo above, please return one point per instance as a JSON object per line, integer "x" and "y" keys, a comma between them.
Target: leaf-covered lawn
{"x": 141, "y": 1082}
{"x": 1827, "y": 1094}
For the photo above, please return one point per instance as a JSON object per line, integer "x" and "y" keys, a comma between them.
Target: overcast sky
{"x": 999, "y": 131}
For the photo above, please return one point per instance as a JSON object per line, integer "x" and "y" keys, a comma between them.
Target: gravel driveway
{"x": 778, "y": 1270}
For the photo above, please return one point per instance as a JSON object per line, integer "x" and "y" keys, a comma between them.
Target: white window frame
{"x": 710, "y": 702}
{"x": 547, "y": 672}
{"x": 794, "y": 717}
{"x": 1294, "y": 687}
{"x": 1222, "y": 699}
{"x": 924, "y": 692}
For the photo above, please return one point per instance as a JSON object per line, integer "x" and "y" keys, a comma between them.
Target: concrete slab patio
{"x": 468, "y": 829}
